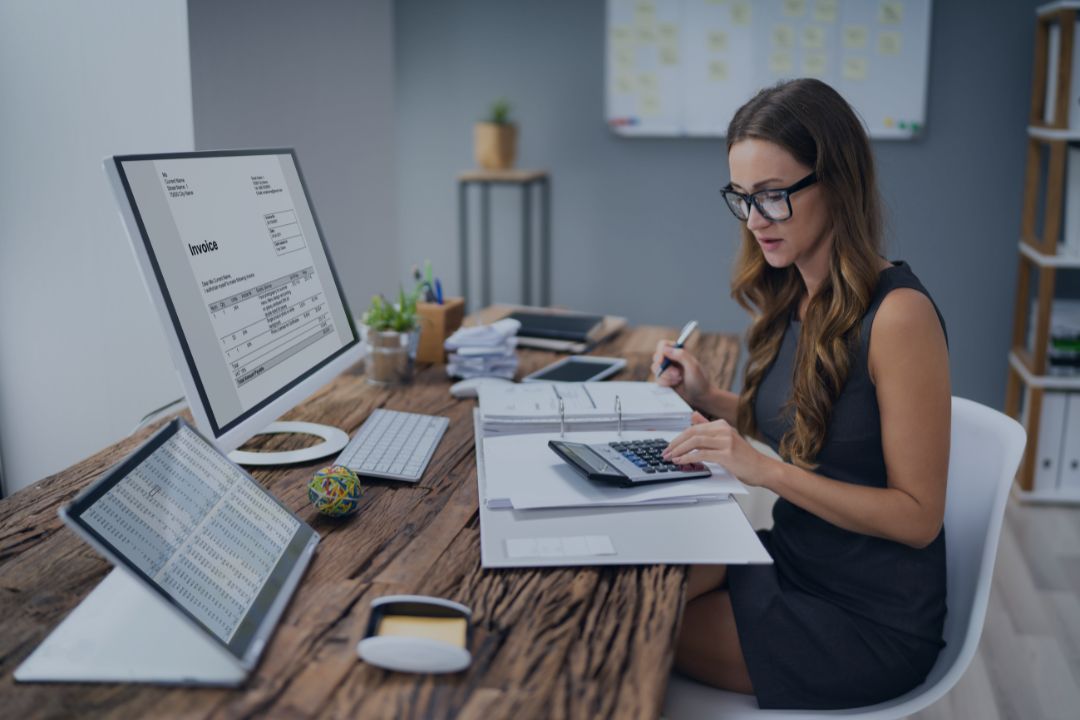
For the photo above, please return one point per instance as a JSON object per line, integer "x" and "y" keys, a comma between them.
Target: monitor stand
{"x": 334, "y": 439}
{"x": 124, "y": 632}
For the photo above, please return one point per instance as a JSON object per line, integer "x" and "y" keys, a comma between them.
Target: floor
{"x": 1028, "y": 662}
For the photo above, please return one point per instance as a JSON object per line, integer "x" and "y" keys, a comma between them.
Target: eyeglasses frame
{"x": 751, "y": 198}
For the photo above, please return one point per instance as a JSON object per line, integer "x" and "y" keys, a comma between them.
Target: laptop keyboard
{"x": 394, "y": 445}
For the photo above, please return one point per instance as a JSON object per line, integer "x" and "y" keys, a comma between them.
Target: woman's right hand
{"x": 684, "y": 373}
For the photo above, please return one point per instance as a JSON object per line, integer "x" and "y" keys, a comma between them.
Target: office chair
{"x": 985, "y": 453}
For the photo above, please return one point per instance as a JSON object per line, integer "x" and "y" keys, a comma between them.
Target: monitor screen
{"x": 241, "y": 266}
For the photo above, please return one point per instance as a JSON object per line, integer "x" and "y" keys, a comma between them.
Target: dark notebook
{"x": 557, "y": 327}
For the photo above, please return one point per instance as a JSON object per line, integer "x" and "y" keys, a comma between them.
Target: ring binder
{"x": 565, "y": 408}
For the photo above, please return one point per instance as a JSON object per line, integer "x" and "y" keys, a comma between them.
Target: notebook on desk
{"x": 557, "y": 326}
{"x": 561, "y": 330}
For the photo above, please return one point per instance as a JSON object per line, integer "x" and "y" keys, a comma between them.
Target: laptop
{"x": 206, "y": 562}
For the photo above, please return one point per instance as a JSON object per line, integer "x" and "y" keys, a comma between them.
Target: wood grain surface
{"x": 575, "y": 642}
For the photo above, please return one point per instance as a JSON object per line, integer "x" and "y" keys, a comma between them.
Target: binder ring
{"x": 618, "y": 415}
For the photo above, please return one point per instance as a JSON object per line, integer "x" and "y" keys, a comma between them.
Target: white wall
{"x": 82, "y": 356}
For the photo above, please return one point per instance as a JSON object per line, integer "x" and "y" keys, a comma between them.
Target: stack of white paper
{"x": 535, "y": 407}
{"x": 484, "y": 350}
{"x": 525, "y": 474}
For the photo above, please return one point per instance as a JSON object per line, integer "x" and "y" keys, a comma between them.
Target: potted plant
{"x": 495, "y": 140}
{"x": 392, "y": 334}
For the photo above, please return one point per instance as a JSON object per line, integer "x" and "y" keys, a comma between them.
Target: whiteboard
{"x": 683, "y": 67}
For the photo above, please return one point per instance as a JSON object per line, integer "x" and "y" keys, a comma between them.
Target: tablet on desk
{"x": 200, "y": 534}
{"x": 577, "y": 368}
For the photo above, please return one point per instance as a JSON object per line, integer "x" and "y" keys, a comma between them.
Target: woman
{"x": 847, "y": 378}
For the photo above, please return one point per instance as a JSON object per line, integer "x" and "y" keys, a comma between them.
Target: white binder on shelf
{"x": 1069, "y": 478}
{"x": 1053, "y": 47}
{"x": 1070, "y": 241}
{"x": 1051, "y": 436}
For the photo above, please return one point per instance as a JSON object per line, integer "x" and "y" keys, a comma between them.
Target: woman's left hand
{"x": 720, "y": 443}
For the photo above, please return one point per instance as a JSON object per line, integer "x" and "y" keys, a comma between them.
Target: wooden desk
{"x": 574, "y": 642}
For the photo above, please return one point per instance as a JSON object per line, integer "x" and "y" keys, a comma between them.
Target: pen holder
{"x": 438, "y": 322}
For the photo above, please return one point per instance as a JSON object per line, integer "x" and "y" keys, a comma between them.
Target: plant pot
{"x": 390, "y": 355}
{"x": 495, "y": 145}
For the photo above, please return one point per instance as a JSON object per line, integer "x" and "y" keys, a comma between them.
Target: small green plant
{"x": 384, "y": 315}
{"x": 500, "y": 112}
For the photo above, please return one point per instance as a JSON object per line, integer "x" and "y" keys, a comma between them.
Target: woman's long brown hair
{"x": 816, "y": 125}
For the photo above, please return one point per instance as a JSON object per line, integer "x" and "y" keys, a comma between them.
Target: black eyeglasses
{"x": 774, "y": 204}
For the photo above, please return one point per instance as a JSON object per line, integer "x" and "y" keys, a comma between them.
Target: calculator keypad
{"x": 647, "y": 455}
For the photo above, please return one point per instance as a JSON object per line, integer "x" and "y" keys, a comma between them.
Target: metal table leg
{"x": 526, "y": 244}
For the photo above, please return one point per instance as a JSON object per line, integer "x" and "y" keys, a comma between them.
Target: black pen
{"x": 687, "y": 331}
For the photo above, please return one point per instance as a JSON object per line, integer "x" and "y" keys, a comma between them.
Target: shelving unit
{"x": 1039, "y": 252}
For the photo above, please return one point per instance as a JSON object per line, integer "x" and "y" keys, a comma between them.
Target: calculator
{"x": 629, "y": 464}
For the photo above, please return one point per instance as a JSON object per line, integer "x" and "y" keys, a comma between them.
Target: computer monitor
{"x": 235, "y": 261}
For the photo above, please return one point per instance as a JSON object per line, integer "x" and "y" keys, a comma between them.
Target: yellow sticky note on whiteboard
{"x": 740, "y": 12}
{"x": 891, "y": 12}
{"x": 825, "y": 11}
{"x": 780, "y": 63}
{"x": 815, "y": 65}
{"x": 668, "y": 33}
{"x": 854, "y": 37}
{"x": 625, "y": 84}
{"x": 855, "y": 68}
{"x": 647, "y": 81}
{"x": 621, "y": 33}
{"x": 783, "y": 36}
{"x": 794, "y": 8}
{"x": 889, "y": 43}
{"x": 650, "y": 105}
{"x": 718, "y": 41}
{"x": 646, "y": 34}
{"x": 718, "y": 71}
{"x": 644, "y": 13}
{"x": 813, "y": 37}
{"x": 669, "y": 55}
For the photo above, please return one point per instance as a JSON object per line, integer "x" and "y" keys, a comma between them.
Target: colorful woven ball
{"x": 335, "y": 491}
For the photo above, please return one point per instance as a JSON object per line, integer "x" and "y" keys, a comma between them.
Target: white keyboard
{"x": 394, "y": 445}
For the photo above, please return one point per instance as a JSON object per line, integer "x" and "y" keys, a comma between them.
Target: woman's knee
{"x": 708, "y": 646}
{"x": 703, "y": 579}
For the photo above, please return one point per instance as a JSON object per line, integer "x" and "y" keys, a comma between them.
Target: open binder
{"x": 616, "y": 526}
{"x": 517, "y": 421}
{"x": 581, "y": 407}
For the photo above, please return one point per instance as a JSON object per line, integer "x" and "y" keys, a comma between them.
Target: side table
{"x": 527, "y": 180}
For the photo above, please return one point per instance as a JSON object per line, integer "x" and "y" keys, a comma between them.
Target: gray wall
{"x": 82, "y": 354}
{"x": 638, "y": 227}
{"x": 317, "y": 76}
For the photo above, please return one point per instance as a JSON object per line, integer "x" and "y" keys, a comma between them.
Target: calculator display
{"x": 586, "y": 457}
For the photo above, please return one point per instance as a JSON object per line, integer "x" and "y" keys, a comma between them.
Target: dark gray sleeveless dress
{"x": 840, "y": 619}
